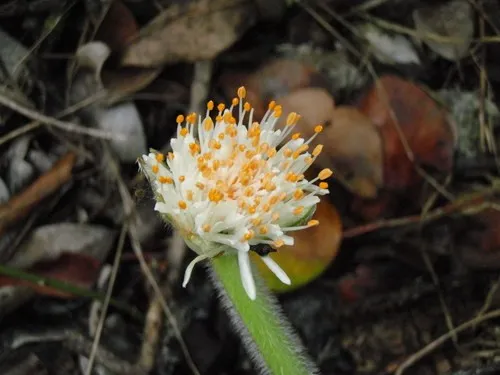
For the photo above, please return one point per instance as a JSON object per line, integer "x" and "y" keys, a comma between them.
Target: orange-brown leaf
{"x": 417, "y": 119}
{"x": 20, "y": 205}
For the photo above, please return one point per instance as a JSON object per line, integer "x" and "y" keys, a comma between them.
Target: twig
{"x": 476, "y": 201}
{"x": 429, "y": 348}
{"x": 51, "y": 121}
{"x": 109, "y": 291}
{"x": 36, "y": 124}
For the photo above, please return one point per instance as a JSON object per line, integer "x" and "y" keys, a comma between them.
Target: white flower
{"x": 226, "y": 186}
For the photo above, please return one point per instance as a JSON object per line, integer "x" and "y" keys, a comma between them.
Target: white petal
{"x": 246, "y": 275}
{"x": 273, "y": 266}
{"x": 189, "y": 268}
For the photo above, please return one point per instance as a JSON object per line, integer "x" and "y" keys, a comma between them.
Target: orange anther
{"x": 312, "y": 223}
{"x": 242, "y": 92}
{"x": 298, "y": 194}
{"x": 291, "y": 119}
{"x": 215, "y": 195}
{"x": 278, "y": 243}
{"x": 165, "y": 180}
{"x": 325, "y": 173}
{"x": 317, "y": 150}
{"x": 208, "y": 124}
{"x": 298, "y": 210}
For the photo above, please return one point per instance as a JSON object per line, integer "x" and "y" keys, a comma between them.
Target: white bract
{"x": 226, "y": 186}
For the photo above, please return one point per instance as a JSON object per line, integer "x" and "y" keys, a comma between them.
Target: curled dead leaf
{"x": 313, "y": 251}
{"x": 404, "y": 112}
{"x": 191, "y": 31}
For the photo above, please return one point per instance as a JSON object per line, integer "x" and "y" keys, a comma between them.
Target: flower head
{"x": 226, "y": 185}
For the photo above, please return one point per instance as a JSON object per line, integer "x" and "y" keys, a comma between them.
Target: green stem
{"x": 266, "y": 333}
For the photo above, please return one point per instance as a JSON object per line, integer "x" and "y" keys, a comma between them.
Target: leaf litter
{"x": 401, "y": 273}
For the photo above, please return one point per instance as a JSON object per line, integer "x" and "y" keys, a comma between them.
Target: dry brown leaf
{"x": 273, "y": 80}
{"x": 352, "y": 145}
{"x": 78, "y": 269}
{"x": 118, "y": 26}
{"x": 198, "y": 30}
{"x": 425, "y": 126}
{"x": 20, "y": 205}
{"x": 313, "y": 251}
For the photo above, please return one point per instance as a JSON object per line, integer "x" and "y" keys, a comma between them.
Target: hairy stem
{"x": 265, "y": 331}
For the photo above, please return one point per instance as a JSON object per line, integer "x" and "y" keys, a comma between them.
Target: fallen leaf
{"x": 198, "y": 30}
{"x": 78, "y": 269}
{"x": 315, "y": 106}
{"x": 313, "y": 251}
{"x": 357, "y": 164}
{"x": 272, "y": 81}
{"x": 118, "y": 27}
{"x": 449, "y": 20}
{"x": 20, "y": 205}
{"x": 424, "y": 125}
{"x": 50, "y": 241}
